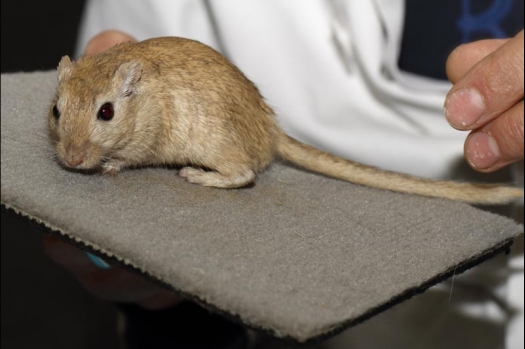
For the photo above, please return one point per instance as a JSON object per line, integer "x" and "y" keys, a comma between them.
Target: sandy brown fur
{"x": 179, "y": 102}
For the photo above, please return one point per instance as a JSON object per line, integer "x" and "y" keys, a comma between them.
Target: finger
{"x": 118, "y": 285}
{"x": 492, "y": 87}
{"x": 113, "y": 285}
{"x": 499, "y": 143}
{"x": 161, "y": 300}
{"x": 67, "y": 256}
{"x": 465, "y": 57}
{"x": 106, "y": 40}
{"x": 121, "y": 286}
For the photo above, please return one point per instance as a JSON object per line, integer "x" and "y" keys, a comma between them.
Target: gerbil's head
{"x": 90, "y": 117}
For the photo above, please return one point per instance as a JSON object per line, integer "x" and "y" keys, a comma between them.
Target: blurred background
{"x": 42, "y": 305}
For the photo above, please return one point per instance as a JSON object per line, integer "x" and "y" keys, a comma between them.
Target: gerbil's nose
{"x": 76, "y": 159}
{"x": 75, "y": 156}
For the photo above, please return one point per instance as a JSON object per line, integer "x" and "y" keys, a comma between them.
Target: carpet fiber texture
{"x": 298, "y": 255}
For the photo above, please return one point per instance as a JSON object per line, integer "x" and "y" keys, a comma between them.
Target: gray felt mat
{"x": 298, "y": 255}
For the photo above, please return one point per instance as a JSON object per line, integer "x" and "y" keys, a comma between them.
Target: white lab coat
{"x": 331, "y": 74}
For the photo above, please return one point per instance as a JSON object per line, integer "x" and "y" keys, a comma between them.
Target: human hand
{"x": 487, "y": 99}
{"x": 114, "y": 284}
{"x": 105, "y": 40}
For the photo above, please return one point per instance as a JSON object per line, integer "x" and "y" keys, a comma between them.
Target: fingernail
{"x": 99, "y": 262}
{"x": 464, "y": 107}
{"x": 482, "y": 151}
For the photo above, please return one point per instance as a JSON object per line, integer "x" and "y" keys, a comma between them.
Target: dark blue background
{"x": 432, "y": 31}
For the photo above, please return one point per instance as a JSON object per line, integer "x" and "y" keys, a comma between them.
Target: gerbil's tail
{"x": 333, "y": 166}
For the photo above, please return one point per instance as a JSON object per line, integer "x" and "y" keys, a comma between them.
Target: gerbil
{"x": 179, "y": 102}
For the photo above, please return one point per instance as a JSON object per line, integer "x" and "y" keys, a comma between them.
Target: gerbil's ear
{"x": 64, "y": 68}
{"x": 127, "y": 75}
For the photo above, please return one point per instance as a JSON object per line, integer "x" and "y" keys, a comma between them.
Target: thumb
{"x": 106, "y": 40}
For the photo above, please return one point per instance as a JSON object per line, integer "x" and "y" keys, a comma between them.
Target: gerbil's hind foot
{"x": 216, "y": 179}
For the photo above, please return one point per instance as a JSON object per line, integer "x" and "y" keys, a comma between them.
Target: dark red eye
{"x": 56, "y": 112}
{"x": 106, "y": 112}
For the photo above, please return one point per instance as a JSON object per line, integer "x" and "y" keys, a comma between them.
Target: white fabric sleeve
{"x": 147, "y": 19}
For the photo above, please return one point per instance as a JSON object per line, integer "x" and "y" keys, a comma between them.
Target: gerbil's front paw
{"x": 112, "y": 172}
{"x": 111, "y": 168}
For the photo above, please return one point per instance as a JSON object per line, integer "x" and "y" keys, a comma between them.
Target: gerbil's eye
{"x": 56, "y": 112}
{"x": 106, "y": 112}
